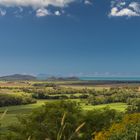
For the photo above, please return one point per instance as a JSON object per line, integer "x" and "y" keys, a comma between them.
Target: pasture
{"x": 66, "y": 87}
{"x": 14, "y": 111}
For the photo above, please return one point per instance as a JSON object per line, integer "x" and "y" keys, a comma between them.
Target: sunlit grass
{"x": 116, "y": 106}
{"x": 13, "y": 111}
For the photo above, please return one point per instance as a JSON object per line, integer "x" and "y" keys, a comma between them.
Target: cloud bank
{"x": 118, "y": 8}
{"x": 35, "y": 3}
{"x": 39, "y": 6}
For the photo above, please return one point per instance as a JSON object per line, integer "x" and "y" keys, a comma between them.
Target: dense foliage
{"x": 15, "y": 99}
{"x": 66, "y": 120}
{"x": 127, "y": 129}
{"x": 45, "y": 123}
{"x": 58, "y": 93}
{"x": 95, "y": 97}
{"x": 114, "y": 95}
{"x": 44, "y": 85}
{"x": 129, "y": 95}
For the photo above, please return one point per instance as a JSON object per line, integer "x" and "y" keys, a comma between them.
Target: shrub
{"x": 15, "y": 99}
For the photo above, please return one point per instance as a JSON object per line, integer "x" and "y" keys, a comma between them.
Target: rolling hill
{"x": 18, "y": 77}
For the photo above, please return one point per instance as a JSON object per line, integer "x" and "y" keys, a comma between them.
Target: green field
{"x": 116, "y": 106}
{"x": 14, "y": 111}
{"x": 62, "y": 88}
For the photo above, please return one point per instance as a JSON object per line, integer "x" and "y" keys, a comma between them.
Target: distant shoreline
{"x": 123, "y": 79}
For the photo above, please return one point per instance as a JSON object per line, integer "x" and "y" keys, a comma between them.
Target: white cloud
{"x": 57, "y": 13}
{"x": 2, "y": 12}
{"x": 88, "y": 2}
{"x": 123, "y": 12}
{"x": 40, "y": 6}
{"x": 135, "y": 6}
{"x": 122, "y": 3}
{"x": 42, "y": 12}
{"x": 35, "y": 3}
{"x": 119, "y": 9}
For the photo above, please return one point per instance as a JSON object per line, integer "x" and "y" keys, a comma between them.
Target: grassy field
{"x": 15, "y": 87}
{"x": 116, "y": 106}
{"x": 14, "y": 111}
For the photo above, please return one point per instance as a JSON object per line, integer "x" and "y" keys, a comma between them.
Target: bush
{"x": 133, "y": 105}
{"x": 44, "y": 85}
{"x": 45, "y": 122}
{"x": 15, "y": 99}
{"x": 127, "y": 129}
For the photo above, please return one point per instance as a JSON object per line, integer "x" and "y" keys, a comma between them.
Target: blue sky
{"x": 70, "y": 37}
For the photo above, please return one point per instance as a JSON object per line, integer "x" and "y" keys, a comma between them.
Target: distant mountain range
{"x": 50, "y": 77}
{"x": 63, "y": 79}
{"x": 18, "y": 77}
{"x": 43, "y": 77}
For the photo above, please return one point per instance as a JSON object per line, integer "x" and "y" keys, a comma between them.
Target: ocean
{"x": 110, "y": 78}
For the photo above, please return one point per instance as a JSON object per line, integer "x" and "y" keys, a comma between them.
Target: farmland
{"x": 21, "y": 87}
{"x": 14, "y": 111}
{"x": 21, "y": 98}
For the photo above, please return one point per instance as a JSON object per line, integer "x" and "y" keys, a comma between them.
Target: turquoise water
{"x": 111, "y": 78}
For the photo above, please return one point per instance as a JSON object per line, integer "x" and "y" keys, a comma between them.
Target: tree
{"x": 96, "y": 120}
{"x": 45, "y": 122}
{"x": 127, "y": 129}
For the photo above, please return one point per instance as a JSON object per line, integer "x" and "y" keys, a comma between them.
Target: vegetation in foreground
{"x": 66, "y": 120}
{"x": 85, "y": 118}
